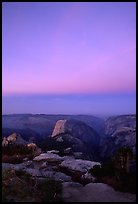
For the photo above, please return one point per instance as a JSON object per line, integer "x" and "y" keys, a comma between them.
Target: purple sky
{"x": 68, "y": 49}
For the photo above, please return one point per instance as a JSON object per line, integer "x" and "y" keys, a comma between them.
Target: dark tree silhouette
{"x": 123, "y": 157}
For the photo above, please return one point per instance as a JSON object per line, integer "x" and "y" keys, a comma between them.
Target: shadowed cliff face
{"x": 77, "y": 129}
{"x": 117, "y": 122}
{"x": 85, "y": 139}
{"x": 120, "y": 131}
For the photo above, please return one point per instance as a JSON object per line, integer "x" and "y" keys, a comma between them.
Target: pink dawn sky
{"x": 68, "y": 48}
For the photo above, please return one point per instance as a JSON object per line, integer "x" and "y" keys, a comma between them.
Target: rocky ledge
{"x": 77, "y": 183}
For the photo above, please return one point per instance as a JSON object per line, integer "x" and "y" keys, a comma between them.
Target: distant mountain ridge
{"x": 44, "y": 124}
{"x": 112, "y": 133}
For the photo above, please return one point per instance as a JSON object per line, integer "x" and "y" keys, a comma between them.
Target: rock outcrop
{"x": 49, "y": 157}
{"x": 59, "y": 127}
{"x": 14, "y": 139}
{"x": 79, "y": 137}
{"x": 120, "y": 132}
{"x": 16, "y": 150}
{"x": 114, "y": 123}
{"x": 77, "y": 129}
{"x": 71, "y": 173}
{"x": 52, "y": 166}
{"x": 78, "y": 165}
{"x": 94, "y": 192}
{"x": 70, "y": 145}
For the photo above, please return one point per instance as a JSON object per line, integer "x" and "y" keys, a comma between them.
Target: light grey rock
{"x": 87, "y": 177}
{"x": 49, "y": 157}
{"x": 59, "y": 127}
{"x": 67, "y": 150}
{"x": 53, "y": 151}
{"x": 78, "y": 165}
{"x": 25, "y": 159}
{"x": 59, "y": 139}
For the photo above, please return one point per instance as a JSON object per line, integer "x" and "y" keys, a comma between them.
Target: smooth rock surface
{"x": 49, "y": 157}
{"x": 78, "y": 164}
{"x": 95, "y": 192}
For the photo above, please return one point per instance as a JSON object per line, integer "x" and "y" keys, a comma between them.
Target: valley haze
{"x": 88, "y": 104}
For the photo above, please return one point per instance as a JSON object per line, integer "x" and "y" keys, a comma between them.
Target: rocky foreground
{"x": 68, "y": 172}
{"x": 94, "y": 192}
{"x": 78, "y": 185}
